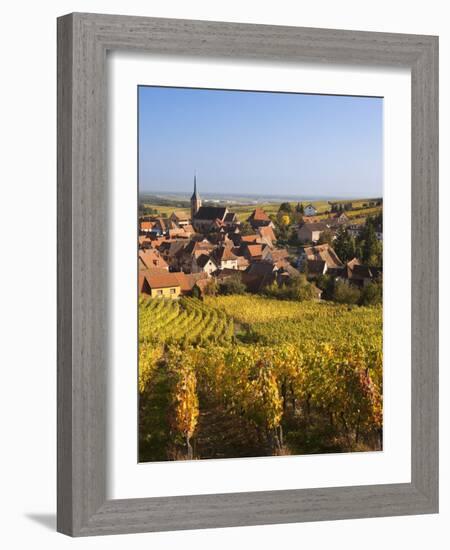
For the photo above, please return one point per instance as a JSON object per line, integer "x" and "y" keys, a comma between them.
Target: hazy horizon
{"x": 187, "y": 194}
{"x": 251, "y": 143}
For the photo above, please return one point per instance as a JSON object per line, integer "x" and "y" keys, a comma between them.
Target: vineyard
{"x": 235, "y": 376}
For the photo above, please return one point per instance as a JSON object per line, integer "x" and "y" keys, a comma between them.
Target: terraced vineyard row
{"x": 274, "y": 322}
{"x": 296, "y": 377}
{"x": 188, "y": 321}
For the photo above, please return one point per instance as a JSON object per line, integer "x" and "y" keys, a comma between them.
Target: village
{"x": 208, "y": 250}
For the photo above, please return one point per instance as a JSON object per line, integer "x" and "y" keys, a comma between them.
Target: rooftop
{"x": 315, "y": 267}
{"x": 146, "y": 225}
{"x": 157, "y": 278}
{"x": 260, "y": 268}
{"x": 230, "y": 217}
{"x": 323, "y": 252}
{"x": 267, "y": 232}
{"x": 187, "y": 281}
{"x": 225, "y": 253}
{"x": 317, "y": 226}
{"x": 250, "y": 239}
{"x": 258, "y": 214}
{"x": 210, "y": 213}
{"x": 255, "y": 249}
{"x": 152, "y": 258}
{"x": 181, "y": 214}
{"x": 203, "y": 259}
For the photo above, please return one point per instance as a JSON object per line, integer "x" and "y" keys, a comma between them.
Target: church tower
{"x": 196, "y": 201}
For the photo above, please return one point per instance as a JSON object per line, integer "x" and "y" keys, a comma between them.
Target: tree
{"x": 245, "y": 229}
{"x": 326, "y": 237}
{"x": 293, "y": 238}
{"x": 326, "y": 284}
{"x": 304, "y": 291}
{"x": 378, "y": 221}
{"x": 285, "y": 207}
{"x": 211, "y": 288}
{"x": 232, "y": 285}
{"x": 285, "y": 220}
{"x": 345, "y": 293}
{"x": 371, "y": 247}
{"x": 281, "y": 226}
{"x": 297, "y": 288}
{"x": 344, "y": 245}
{"x": 371, "y": 294}
{"x": 299, "y": 208}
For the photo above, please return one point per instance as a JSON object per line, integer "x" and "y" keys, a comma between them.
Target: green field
{"x": 271, "y": 208}
{"x": 237, "y": 376}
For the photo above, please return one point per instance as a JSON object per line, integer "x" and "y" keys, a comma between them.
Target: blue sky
{"x": 260, "y": 143}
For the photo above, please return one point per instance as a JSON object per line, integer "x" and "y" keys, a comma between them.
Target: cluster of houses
{"x": 310, "y": 231}
{"x": 321, "y": 259}
{"x": 312, "y": 226}
{"x": 181, "y": 254}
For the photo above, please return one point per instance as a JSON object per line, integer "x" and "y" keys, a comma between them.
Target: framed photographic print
{"x": 247, "y": 274}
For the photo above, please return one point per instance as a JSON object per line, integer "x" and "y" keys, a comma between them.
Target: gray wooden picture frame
{"x": 83, "y": 41}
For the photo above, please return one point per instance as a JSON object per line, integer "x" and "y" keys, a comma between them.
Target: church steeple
{"x": 196, "y": 201}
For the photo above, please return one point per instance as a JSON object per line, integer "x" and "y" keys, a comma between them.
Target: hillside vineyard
{"x": 244, "y": 375}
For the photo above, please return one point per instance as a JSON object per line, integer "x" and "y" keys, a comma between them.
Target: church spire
{"x": 196, "y": 201}
{"x": 195, "y": 195}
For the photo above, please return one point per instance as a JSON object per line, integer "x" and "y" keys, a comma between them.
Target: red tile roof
{"x": 178, "y": 233}
{"x": 279, "y": 254}
{"x": 267, "y": 232}
{"x": 187, "y": 281}
{"x": 255, "y": 250}
{"x": 250, "y": 239}
{"x": 151, "y": 258}
{"x": 161, "y": 279}
{"x": 323, "y": 252}
{"x": 225, "y": 253}
{"x": 147, "y": 226}
{"x": 258, "y": 214}
{"x": 181, "y": 215}
{"x": 157, "y": 242}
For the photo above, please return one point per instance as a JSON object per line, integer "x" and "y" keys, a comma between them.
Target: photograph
{"x": 260, "y": 274}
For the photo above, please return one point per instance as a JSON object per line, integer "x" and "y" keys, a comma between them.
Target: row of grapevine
{"x": 273, "y": 321}
{"x": 188, "y": 321}
{"x": 307, "y": 364}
